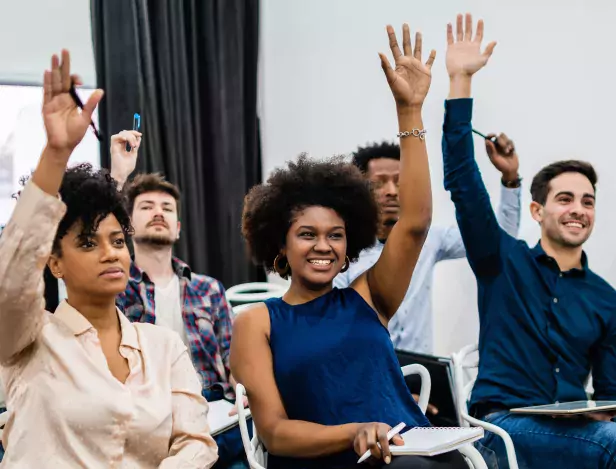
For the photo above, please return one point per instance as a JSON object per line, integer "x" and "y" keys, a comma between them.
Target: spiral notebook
{"x": 431, "y": 441}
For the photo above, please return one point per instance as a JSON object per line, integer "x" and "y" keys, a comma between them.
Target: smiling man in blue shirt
{"x": 546, "y": 319}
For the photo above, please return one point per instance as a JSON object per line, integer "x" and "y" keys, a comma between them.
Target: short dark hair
{"x": 90, "y": 195}
{"x": 269, "y": 208}
{"x": 363, "y": 155}
{"x": 540, "y": 186}
{"x": 150, "y": 182}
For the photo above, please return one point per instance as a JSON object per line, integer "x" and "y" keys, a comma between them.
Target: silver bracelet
{"x": 413, "y": 133}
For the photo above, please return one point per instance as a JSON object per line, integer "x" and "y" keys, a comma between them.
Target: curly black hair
{"x": 90, "y": 195}
{"x": 385, "y": 149}
{"x": 269, "y": 208}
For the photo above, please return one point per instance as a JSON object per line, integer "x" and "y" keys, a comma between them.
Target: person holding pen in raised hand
{"x": 85, "y": 386}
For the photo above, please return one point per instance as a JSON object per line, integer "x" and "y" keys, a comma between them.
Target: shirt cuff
{"x": 458, "y": 110}
{"x": 35, "y": 207}
{"x": 510, "y": 197}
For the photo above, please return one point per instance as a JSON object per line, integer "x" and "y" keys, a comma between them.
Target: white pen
{"x": 390, "y": 434}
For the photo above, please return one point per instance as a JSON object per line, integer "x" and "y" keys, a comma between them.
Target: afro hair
{"x": 90, "y": 196}
{"x": 269, "y": 208}
{"x": 364, "y": 155}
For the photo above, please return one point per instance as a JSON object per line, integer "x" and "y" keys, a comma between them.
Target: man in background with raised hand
{"x": 546, "y": 319}
{"x": 163, "y": 290}
{"x": 411, "y": 327}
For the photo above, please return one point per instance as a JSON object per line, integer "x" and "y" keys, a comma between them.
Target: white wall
{"x": 32, "y": 30}
{"x": 549, "y": 86}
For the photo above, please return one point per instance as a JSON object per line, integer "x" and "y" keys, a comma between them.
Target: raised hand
{"x": 123, "y": 162}
{"x": 503, "y": 156}
{"x": 410, "y": 80}
{"x": 464, "y": 56}
{"x": 65, "y": 123}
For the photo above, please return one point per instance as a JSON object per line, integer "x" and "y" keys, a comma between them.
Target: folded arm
{"x": 191, "y": 443}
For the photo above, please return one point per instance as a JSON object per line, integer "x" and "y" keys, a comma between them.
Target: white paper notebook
{"x": 218, "y": 416}
{"x": 430, "y": 441}
{"x": 568, "y": 408}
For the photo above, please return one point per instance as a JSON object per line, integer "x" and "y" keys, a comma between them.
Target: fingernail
{"x": 387, "y": 459}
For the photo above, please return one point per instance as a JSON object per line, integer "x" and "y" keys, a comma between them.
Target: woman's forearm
{"x": 415, "y": 187}
{"x": 50, "y": 170}
{"x": 299, "y": 439}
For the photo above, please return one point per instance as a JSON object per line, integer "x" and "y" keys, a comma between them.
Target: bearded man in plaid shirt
{"x": 163, "y": 290}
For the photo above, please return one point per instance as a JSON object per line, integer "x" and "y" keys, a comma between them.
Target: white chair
{"x": 254, "y": 292}
{"x": 256, "y": 452}
{"x": 465, "y": 364}
{"x": 239, "y": 308}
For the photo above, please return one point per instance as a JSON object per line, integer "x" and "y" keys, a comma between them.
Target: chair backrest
{"x": 465, "y": 364}
{"x": 254, "y": 449}
{"x": 254, "y": 292}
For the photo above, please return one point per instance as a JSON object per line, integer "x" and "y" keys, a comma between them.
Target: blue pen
{"x": 136, "y": 126}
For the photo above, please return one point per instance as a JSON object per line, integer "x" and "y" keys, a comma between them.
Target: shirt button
{"x": 557, "y": 370}
{"x": 560, "y": 274}
{"x": 555, "y": 300}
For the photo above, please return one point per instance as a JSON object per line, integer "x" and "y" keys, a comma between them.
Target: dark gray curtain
{"x": 189, "y": 67}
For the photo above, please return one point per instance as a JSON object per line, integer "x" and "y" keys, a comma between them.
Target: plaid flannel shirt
{"x": 207, "y": 319}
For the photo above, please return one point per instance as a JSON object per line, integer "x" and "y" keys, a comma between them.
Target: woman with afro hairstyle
{"x": 86, "y": 387}
{"x": 318, "y": 365}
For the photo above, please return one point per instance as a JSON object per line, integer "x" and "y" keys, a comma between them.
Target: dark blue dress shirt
{"x": 541, "y": 330}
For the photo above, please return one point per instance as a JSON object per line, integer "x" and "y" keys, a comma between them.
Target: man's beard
{"x": 152, "y": 240}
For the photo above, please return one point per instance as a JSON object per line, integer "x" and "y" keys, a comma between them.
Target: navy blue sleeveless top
{"x": 334, "y": 363}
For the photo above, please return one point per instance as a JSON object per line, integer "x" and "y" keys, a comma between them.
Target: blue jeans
{"x": 231, "y": 454}
{"x": 545, "y": 442}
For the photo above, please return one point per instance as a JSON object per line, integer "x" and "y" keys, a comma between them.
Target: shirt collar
{"x": 539, "y": 254}
{"x": 180, "y": 268}
{"x": 78, "y": 324}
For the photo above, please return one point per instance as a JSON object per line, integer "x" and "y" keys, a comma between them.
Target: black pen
{"x": 78, "y": 102}
{"x": 492, "y": 139}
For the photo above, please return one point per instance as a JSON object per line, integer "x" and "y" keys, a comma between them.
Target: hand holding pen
{"x": 501, "y": 143}
{"x": 64, "y": 122}
{"x": 76, "y": 81}
{"x": 372, "y": 439}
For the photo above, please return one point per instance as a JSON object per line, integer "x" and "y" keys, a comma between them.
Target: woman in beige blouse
{"x": 85, "y": 387}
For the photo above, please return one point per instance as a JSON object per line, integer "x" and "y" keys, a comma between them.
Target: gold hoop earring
{"x": 282, "y": 271}
{"x": 347, "y": 264}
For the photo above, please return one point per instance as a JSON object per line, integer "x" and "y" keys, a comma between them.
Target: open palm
{"x": 464, "y": 56}
{"x": 64, "y": 122}
{"x": 410, "y": 80}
